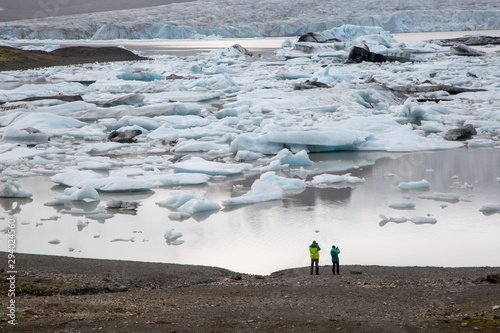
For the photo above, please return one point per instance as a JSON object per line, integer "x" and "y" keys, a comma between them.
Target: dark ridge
{"x": 17, "y": 59}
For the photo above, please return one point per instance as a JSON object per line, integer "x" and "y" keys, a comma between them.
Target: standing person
{"x": 335, "y": 259}
{"x": 314, "y": 249}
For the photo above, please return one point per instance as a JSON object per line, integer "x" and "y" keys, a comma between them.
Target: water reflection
{"x": 279, "y": 231}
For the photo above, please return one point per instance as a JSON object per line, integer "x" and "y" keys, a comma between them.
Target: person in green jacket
{"x": 314, "y": 249}
{"x": 335, "y": 259}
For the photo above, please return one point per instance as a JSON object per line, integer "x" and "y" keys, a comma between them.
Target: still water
{"x": 262, "y": 46}
{"x": 275, "y": 235}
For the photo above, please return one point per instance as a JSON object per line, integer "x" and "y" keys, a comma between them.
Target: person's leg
{"x": 317, "y": 266}
{"x": 312, "y": 264}
{"x": 338, "y": 268}
{"x": 333, "y": 268}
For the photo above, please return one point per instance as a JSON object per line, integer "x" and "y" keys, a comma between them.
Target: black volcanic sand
{"x": 17, "y": 59}
{"x": 56, "y": 294}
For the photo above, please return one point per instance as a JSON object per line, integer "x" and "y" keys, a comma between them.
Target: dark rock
{"x": 122, "y": 205}
{"x": 360, "y": 54}
{"x": 31, "y": 130}
{"x": 317, "y": 37}
{"x": 463, "y": 50}
{"x": 70, "y": 98}
{"x": 356, "y": 272}
{"x": 126, "y": 136}
{"x": 468, "y": 40}
{"x": 242, "y": 50}
{"x": 493, "y": 278}
{"x": 461, "y": 133}
{"x": 178, "y": 77}
{"x": 308, "y": 84}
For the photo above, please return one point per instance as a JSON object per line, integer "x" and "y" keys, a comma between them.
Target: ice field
{"x": 239, "y": 165}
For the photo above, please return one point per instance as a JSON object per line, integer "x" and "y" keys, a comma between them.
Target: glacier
{"x": 259, "y": 18}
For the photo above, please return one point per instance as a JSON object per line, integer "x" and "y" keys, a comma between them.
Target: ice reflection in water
{"x": 274, "y": 235}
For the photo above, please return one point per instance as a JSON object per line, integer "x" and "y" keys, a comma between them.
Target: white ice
{"x": 9, "y": 188}
{"x": 337, "y": 180}
{"x": 261, "y": 190}
{"x": 258, "y": 18}
{"x": 417, "y": 185}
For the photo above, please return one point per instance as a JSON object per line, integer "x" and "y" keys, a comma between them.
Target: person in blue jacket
{"x": 335, "y": 259}
{"x": 314, "y": 250}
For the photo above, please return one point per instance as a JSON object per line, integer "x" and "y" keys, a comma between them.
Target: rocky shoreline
{"x": 60, "y": 294}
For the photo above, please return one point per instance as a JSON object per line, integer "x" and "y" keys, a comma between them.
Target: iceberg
{"x": 418, "y": 185}
{"x": 336, "y": 180}
{"x": 438, "y": 196}
{"x": 199, "y": 165}
{"x": 402, "y": 205}
{"x": 10, "y": 188}
{"x": 261, "y": 190}
{"x": 86, "y": 193}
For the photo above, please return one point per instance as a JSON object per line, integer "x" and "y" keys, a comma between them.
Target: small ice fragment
{"x": 424, "y": 220}
{"x": 402, "y": 205}
{"x": 418, "y": 185}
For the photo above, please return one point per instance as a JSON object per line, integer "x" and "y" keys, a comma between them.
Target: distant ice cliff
{"x": 260, "y": 18}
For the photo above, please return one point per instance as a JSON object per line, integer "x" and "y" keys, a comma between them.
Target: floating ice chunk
{"x": 54, "y": 241}
{"x": 197, "y": 146}
{"x": 261, "y": 190}
{"x": 341, "y": 180}
{"x": 480, "y": 143}
{"x": 163, "y": 133}
{"x": 36, "y": 90}
{"x": 438, "y": 196}
{"x": 175, "y": 179}
{"x": 172, "y": 237}
{"x": 86, "y": 193}
{"x": 402, "y": 205}
{"x": 199, "y": 165}
{"x": 116, "y": 182}
{"x": 10, "y": 188}
{"x": 423, "y": 220}
{"x": 299, "y": 159}
{"x": 80, "y": 225}
{"x": 286, "y": 184}
{"x": 171, "y": 234}
{"x": 13, "y": 155}
{"x": 15, "y": 173}
{"x": 490, "y": 208}
{"x": 197, "y": 205}
{"x": 132, "y": 239}
{"x": 177, "y": 199}
{"x": 385, "y": 219}
{"x": 292, "y": 73}
{"x": 75, "y": 178}
{"x": 245, "y": 155}
{"x": 140, "y": 76}
{"x": 27, "y": 136}
{"x": 274, "y": 165}
{"x": 418, "y": 185}
{"x": 45, "y": 122}
{"x": 104, "y": 147}
{"x": 94, "y": 165}
{"x": 178, "y": 216}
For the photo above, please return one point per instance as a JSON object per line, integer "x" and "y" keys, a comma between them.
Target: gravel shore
{"x": 62, "y": 294}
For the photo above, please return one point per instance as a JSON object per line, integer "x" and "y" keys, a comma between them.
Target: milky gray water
{"x": 266, "y": 237}
{"x": 275, "y": 235}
